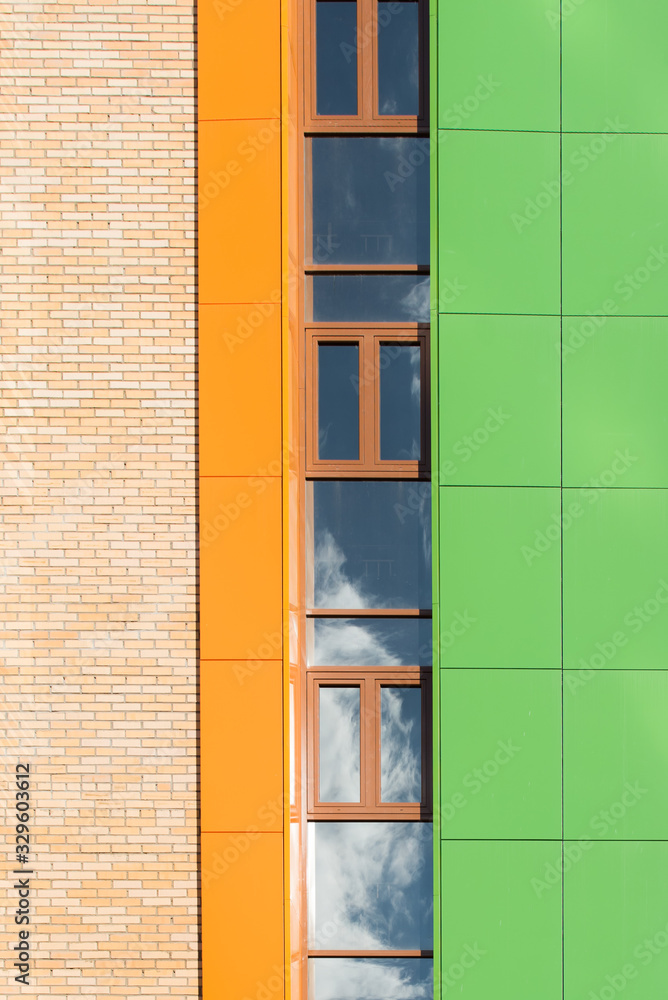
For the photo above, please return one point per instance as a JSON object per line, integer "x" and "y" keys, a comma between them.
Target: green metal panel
{"x": 501, "y": 770}
{"x": 500, "y": 937}
{"x": 550, "y": 303}
{"x": 615, "y": 224}
{"x": 615, "y": 578}
{"x": 616, "y": 940}
{"x": 615, "y": 394}
{"x": 615, "y": 66}
{"x": 498, "y": 427}
{"x": 498, "y": 203}
{"x": 500, "y": 77}
{"x": 616, "y": 755}
{"x": 500, "y": 577}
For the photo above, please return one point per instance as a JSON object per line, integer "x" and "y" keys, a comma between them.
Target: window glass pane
{"x": 372, "y": 298}
{"x": 371, "y": 979}
{"x": 370, "y": 200}
{"x": 400, "y": 395}
{"x": 336, "y": 57}
{"x": 339, "y": 744}
{"x": 372, "y": 544}
{"x": 398, "y": 59}
{"x": 338, "y": 401}
{"x": 369, "y": 642}
{"x": 371, "y": 886}
{"x": 400, "y": 744}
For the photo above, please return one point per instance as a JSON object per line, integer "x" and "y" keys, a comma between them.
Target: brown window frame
{"x": 369, "y": 337}
{"x": 367, "y": 117}
{"x": 370, "y": 682}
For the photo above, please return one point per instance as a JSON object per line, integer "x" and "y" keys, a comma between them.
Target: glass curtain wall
{"x": 369, "y": 893}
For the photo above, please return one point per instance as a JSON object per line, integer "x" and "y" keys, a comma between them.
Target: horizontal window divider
{"x": 366, "y": 268}
{"x": 368, "y": 613}
{"x": 390, "y": 953}
{"x": 380, "y": 127}
{"x": 349, "y": 327}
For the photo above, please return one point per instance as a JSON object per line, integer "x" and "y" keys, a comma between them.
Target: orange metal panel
{"x": 242, "y": 916}
{"x": 241, "y": 745}
{"x": 240, "y": 390}
{"x": 240, "y": 568}
{"x": 239, "y": 59}
{"x": 239, "y": 211}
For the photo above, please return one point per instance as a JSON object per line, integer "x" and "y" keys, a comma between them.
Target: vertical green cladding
{"x": 550, "y": 437}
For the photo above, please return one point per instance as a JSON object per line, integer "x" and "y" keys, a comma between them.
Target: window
{"x": 367, "y": 63}
{"x": 367, "y": 298}
{"x": 368, "y": 200}
{"x": 366, "y": 398}
{"x": 372, "y": 888}
{"x": 369, "y": 546}
{"x": 368, "y": 740}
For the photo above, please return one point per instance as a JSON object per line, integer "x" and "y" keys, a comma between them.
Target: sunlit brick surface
{"x": 97, "y": 181}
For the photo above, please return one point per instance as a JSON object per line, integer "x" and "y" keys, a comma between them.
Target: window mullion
{"x": 366, "y": 44}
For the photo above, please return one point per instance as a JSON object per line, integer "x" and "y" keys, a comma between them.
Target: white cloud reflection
{"x": 333, "y": 588}
{"x": 339, "y": 744}
{"x": 416, "y": 303}
{"x": 371, "y": 885}
{"x": 400, "y": 744}
{"x": 371, "y": 979}
{"x": 343, "y": 642}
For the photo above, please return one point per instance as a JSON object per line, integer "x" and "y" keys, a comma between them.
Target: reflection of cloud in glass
{"x": 372, "y": 544}
{"x": 400, "y": 744}
{"x": 415, "y": 304}
{"x": 371, "y": 979}
{"x": 339, "y": 744}
{"x": 372, "y": 885}
{"x": 341, "y": 642}
{"x": 359, "y": 642}
{"x": 333, "y": 588}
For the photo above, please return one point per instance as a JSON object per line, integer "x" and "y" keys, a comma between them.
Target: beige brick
{"x": 97, "y": 596}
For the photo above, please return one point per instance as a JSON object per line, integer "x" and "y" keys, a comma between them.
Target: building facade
{"x": 417, "y": 659}
{"x": 546, "y": 305}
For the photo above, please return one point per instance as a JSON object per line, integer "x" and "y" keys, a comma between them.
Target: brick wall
{"x": 97, "y": 566}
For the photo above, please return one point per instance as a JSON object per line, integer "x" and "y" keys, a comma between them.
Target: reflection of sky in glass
{"x": 370, "y": 200}
{"x": 371, "y": 979}
{"x": 339, "y": 744}
{"x": 369, "y": 642}
{"x": 370, "y": 298}
{"x": 399, "y": 401}
{"x": 336, "y": 69}
{"x": 372, "y": 544}
{"x": 338, "y": 401}
{"x": 400, "y": 744}
{"x": 398, "y": 59}
{"x": 370, "y": 886}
